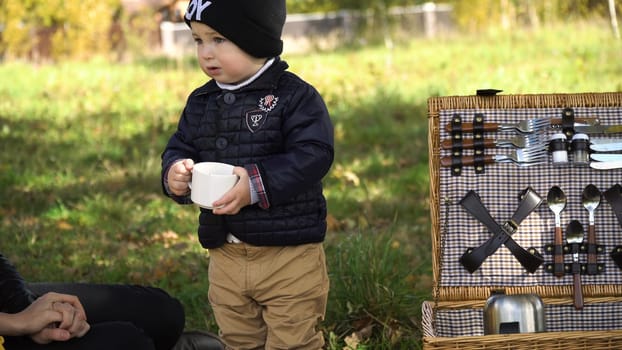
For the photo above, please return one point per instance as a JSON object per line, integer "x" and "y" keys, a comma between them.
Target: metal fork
{"x": 523, "y": 156}
{"x": 519, "y": 141}
{"x": 522, "y": 141}
{"x": 527, "y": 125}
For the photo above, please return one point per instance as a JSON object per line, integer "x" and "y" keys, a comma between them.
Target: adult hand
{"x": 74, "y": 318}
{"x": 53, "y": 317}
{"x": 178, "y": 176}
{"x": 237, "y": 197}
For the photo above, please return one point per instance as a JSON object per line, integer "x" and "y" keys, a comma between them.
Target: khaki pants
{"x": 269, "y": 297}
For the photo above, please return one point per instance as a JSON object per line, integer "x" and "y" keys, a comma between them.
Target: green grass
{"x": 80, "y": 195}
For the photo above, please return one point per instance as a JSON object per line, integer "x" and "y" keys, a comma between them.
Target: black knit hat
{"x": 253, "y": 25}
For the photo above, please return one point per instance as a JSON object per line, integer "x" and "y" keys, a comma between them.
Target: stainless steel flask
{"x": 521, "y": 313}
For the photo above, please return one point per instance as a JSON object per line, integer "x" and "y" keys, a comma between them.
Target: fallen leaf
{"x": 64, "y": 225}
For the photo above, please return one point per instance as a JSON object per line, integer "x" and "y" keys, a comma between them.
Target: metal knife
{"x": 555, "y": 124}
{"x": 605, "y": 145}
{"x": 616, "y": 164}
{"x": 598, "y": 129}
{"x": 604, "y": 140}
{"x": 606, "y": 157}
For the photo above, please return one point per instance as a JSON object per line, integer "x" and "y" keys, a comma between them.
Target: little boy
{"x": 267, "y": 271}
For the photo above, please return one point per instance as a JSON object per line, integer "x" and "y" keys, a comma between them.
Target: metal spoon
{"x": 556, "y": 199}
{"x": 574, "y": 237}
{"x": 591, "y": 199}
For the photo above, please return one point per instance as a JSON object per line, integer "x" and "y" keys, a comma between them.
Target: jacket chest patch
{"x": 268, "y": 102}
{"x": 255, "y": 120}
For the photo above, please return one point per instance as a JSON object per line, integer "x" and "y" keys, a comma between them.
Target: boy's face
{"x": 220, "y": 58}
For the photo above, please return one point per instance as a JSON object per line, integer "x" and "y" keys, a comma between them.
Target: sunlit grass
{"x": 80, "y": 196}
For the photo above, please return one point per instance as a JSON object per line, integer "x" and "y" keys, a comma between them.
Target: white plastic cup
{"x": 210, "y": 181}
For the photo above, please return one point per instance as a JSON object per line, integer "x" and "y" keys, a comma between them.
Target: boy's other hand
{"x": 178, "y": 177}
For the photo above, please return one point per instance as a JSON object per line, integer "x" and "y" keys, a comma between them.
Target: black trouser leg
{"x": 149, "y": 309}
{"x": 102, "y": 336}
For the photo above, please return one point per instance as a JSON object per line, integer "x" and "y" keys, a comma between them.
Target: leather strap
{"x": 478, "y": 143}
{"x": 530, "y": 261}
{"x": 616, "y": 256}
{"x": 530, "y": 201}
{"x": 614, "y": 197}
{"x": 487, "y": 92}
{"x": 456, "y": 149}
{"x": 568, "y": 122}
{"x": 473, "y": 258}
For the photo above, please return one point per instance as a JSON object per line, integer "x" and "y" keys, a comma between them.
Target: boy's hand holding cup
{"x": 210, "y": 181}
{"x": 178, "y": 177}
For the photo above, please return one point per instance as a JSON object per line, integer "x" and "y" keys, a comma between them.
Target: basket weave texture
{"x": 458, "y": 292}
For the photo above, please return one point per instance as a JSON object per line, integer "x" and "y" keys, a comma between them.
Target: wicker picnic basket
{"x": 454, "y": 318}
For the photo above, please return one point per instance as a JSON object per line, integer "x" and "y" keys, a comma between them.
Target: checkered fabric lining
{"x": 499, "y": 188}
{"x": 594, "y": 317}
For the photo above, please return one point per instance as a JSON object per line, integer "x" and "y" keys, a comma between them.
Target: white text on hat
{"x": 196, "y": 7}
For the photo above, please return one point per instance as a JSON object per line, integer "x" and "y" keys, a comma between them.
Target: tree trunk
{"x": 505, "y": 14}
{"x": 614, "y": 18}
{"x": 532, "y": 12}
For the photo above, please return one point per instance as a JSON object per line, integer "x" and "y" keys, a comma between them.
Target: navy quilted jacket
{"x": 14, "y": 296}
{"x": 279, "y": 129}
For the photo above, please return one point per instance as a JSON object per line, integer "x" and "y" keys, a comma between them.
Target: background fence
{"x": 304, "y": 32}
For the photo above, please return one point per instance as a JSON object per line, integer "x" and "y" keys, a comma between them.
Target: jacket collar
{"x": 267, "y": 80}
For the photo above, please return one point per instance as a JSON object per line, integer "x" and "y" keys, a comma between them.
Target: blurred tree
{"x": 56, "y": 28}
{"x": 15, "y": 33}
{"x": 476, "y": 15}
{"x": 59, "y": 28}
{"x": 306, "y": 6}
{"x": 377, "y": 22}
